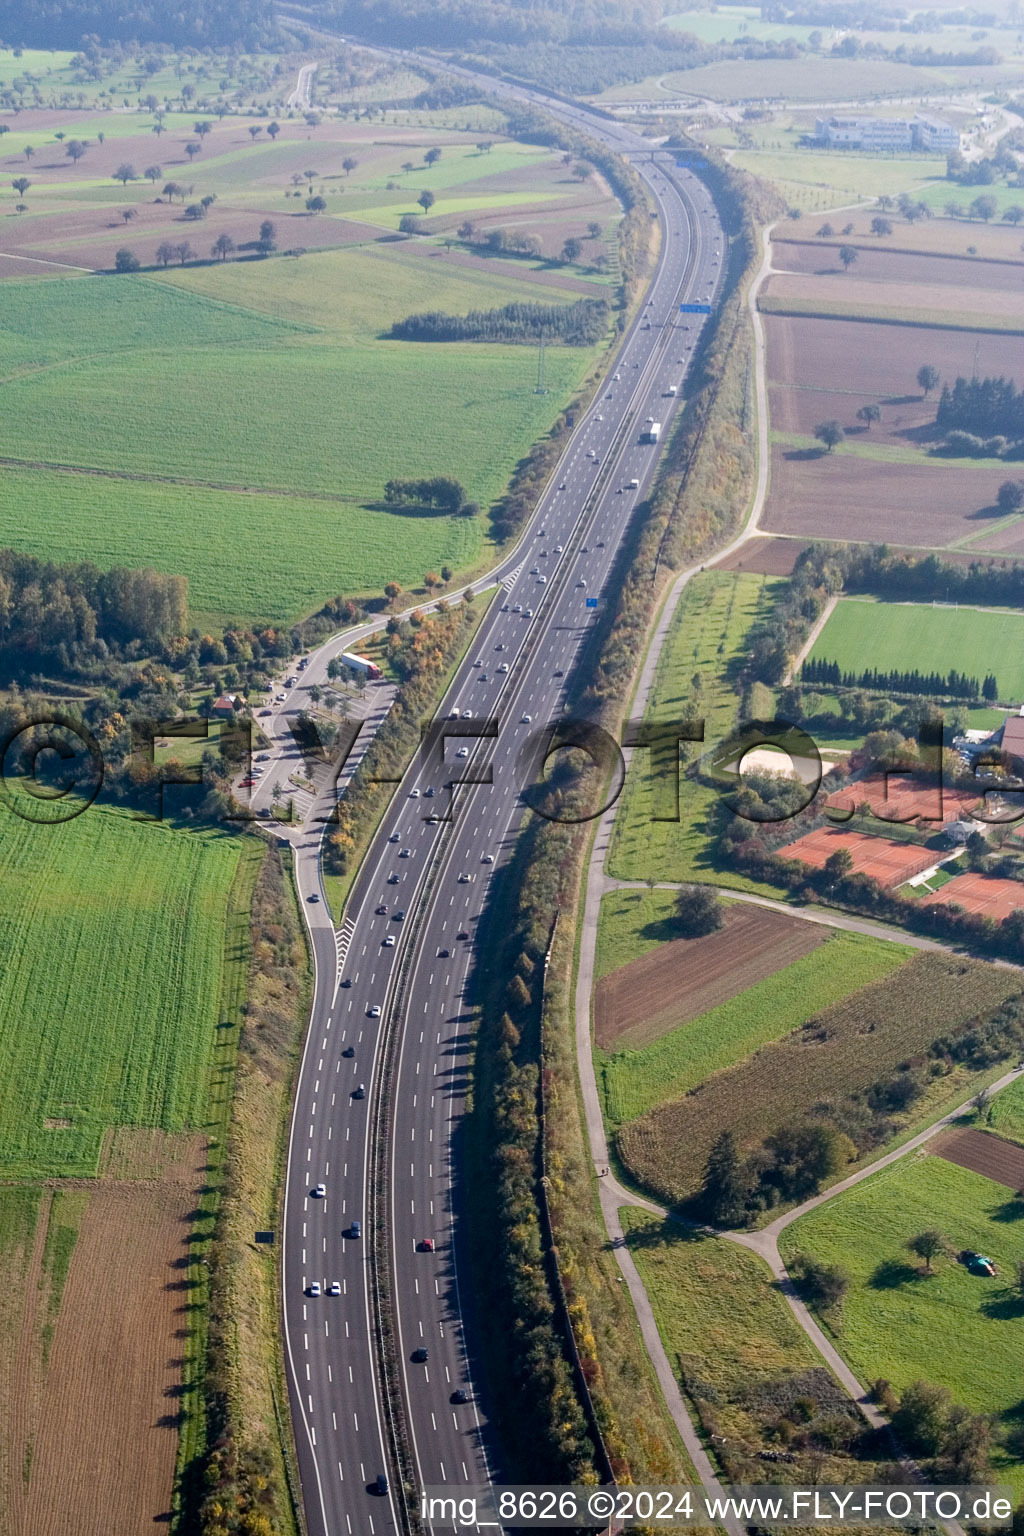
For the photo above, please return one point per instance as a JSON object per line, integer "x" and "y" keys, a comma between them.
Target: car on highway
{"x": 582, "y": 581}
{"x": 558, "y": 549}
{"x": 467, "y": 714}
{"x": 349, "y": 1050}
{"x": 464, "y": 879}
{"x": 443, "y": 954}
{"x": 487, "y": 858}
{"x": 388, "y": 941}
{"x": 528, "y": 614}
{"x": 426, "y": 1245}
{"x": 405, "y": 853}
{"x": 313, "y": 897}
{"x": 526, "y": 720}
{"x": 518, "y": 608}
{"x": 355, "y": 1230}
{"x": 503, "y": 667}
{"x": 462, "y": 752}
{"x": 373, "y": 1012}
{"x": 394, "y": 837}
{"x": 562, "y": 486}
{"x": 429, "y": 792}
{"x": 313, "y": 1288}
{"x": 318, "y": 1191}
{"x": 414, "y": 794}
{"x": 393, "y": 879}
{"x": 381, "y": 1485}
{"x": 421, "y": 1355}
{"x": 399, "y": 915}
{"x": 382, "y": 910}
{"x": 462, "y": 934}
{"x": 334, "y": 1289}
{"x": 359, "y": 1092}
{"x": 460, "y": 1395}
{"x": 541, "y": 580}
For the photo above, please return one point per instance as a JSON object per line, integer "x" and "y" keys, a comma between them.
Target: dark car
{"x": 314, "y": 897}
{"x": 382, "y": 910}
{"x": 381, "y": 1485}
{"x": 398, "y": 914}
{"x": 420, "y": 1355}
{"x": 462, "y": 934}
{"x": 359, "y": 1092}
{"x": 460, "y": 1395}
{"x": 349, "y": 1050}
{"x": 443, "y": 954}
{"x": 355, "y": 1230}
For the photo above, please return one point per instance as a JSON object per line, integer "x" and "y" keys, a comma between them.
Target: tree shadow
{"x": 804, "y": 455}
{"x": 1010, "y": 1210}
{"x": 983, "y": 513}
{"x": 1005, "y": 1305}
{"x": 893, "y": 1273}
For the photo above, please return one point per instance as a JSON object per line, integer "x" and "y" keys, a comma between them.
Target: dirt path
{"x": 809, "y": 643}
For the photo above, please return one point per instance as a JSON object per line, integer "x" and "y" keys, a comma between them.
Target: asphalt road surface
{"x": 401, "y": 961}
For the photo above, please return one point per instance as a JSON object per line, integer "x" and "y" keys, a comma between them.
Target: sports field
{"x": 892, "y": 1316}
{"x": 634, "y": 1081}
{"x": 862, "y": 634}
{"x": 113, "y": 938}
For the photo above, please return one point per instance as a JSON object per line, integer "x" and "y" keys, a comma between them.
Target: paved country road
{"x": 405, "y": 1004}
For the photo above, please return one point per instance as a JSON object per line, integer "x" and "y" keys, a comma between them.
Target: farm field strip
{"x": 109, "y": 999}
{"x": 843, "y": 1050}
{"x": 709, "y": 628}
{"x": 635, "y": 1081}
{"x": 999, "y": 1160}
{"x": 681, "y": 979}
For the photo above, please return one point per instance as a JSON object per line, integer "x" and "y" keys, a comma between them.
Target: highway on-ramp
{"x": 396, "y": 974}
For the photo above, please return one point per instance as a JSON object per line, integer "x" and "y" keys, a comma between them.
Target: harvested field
{"x": 1003, "y": 305}
{"x": 104, "y": 1373}
{"x": 900, "y": 797}
{"x": 889, "y": 863}
{"x": 981, "y": 1152}
{"x": 942, "y": 236}
{"x": 678, "y": 981}
{"x": 764, "y": 556}
{"x": 876, "y": 362}
{"x": 842, "y": 1051}
{"x": 987, "y": 894}
{"x": 827, "y": 496}
{"x": 879, "y": 263}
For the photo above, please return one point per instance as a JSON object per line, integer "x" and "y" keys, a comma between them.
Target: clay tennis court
{"x": 888, "y": 863}
{"x": 682, "y": 979}
{"x": 988, "y": 895}
{"x": 982, "y": 1153}
{"x": 904, "y": 798}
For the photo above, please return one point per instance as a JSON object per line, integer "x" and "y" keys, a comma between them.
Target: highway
{"x": 399, "y": 967}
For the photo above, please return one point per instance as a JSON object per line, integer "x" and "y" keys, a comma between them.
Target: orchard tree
{"x": 881, "y": 226}
{"x": 273, "y": 129}
{"x": 869, "y": 414}
{"x": 153, "y": 173}
{"x": 698, "y": 911}
{"x": 127, "y": 214}
{"x": 222, "y": 247}
{"x": 316, "y": 205}
{"x": 929, "y": 1245}
{"x": 165, "y": 253}
{"x": 192, "y": 149}
{"x": 847, "y": 255}
{"x": 1010, "y": 496}
{"x": 349, "y": 164}
{"x": 255, "y": 130}
{"x": 125, "y": 173}
{"x": 426, "y": 200}
{"x": 830, "y": 433}
{"x": 184, "y": 252}
{"x": 927, "y": 378}
{"x": 21, "y": 185}
{"x": 266, "y": 242}
{"x": 572, "y": 249}
{"x": 126, "y": 260}
{"x": 75, "y": 149}
{"x": 432, "y": 156}
{"x": 29, "y": 151}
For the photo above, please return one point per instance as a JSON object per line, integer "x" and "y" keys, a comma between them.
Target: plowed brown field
{"x": 878, "y": 264}
{"x": 111, "y": 1386}
{"x": 680, "y": 980}
{"x": 983, "y": 1153}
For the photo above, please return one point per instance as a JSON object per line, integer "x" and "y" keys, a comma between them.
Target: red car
{"x": 427, "y": 1245}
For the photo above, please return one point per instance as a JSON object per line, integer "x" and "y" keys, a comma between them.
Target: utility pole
{"x": 541, "y": 388}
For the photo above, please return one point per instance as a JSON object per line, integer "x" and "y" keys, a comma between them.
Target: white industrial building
{"x": 894, "y": 134}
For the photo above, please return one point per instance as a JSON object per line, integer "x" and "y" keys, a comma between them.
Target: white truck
{"x": 651, "y": 433}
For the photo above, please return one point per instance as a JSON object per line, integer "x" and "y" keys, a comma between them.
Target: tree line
{"x": 954, "y": 685}
{"x": 245, "y": 24}
{"x": 76, "y": 611}
{"x": 576, "y": 325}
{"x": 824, "y": 571}
{"x": 438, "y": 491}
{"x": 985, "y": 407}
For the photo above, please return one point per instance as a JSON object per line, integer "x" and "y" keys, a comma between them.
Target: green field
{"x": 863, "y": 634}
{"x": 1005, "y": 1114}
{"x": 113, "y": 936}
{"x": 707, "y": 639}
{"x": 284, "y": 412}
{"x": 634, "y": 1081}
{"x": 892, "y": 1318}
